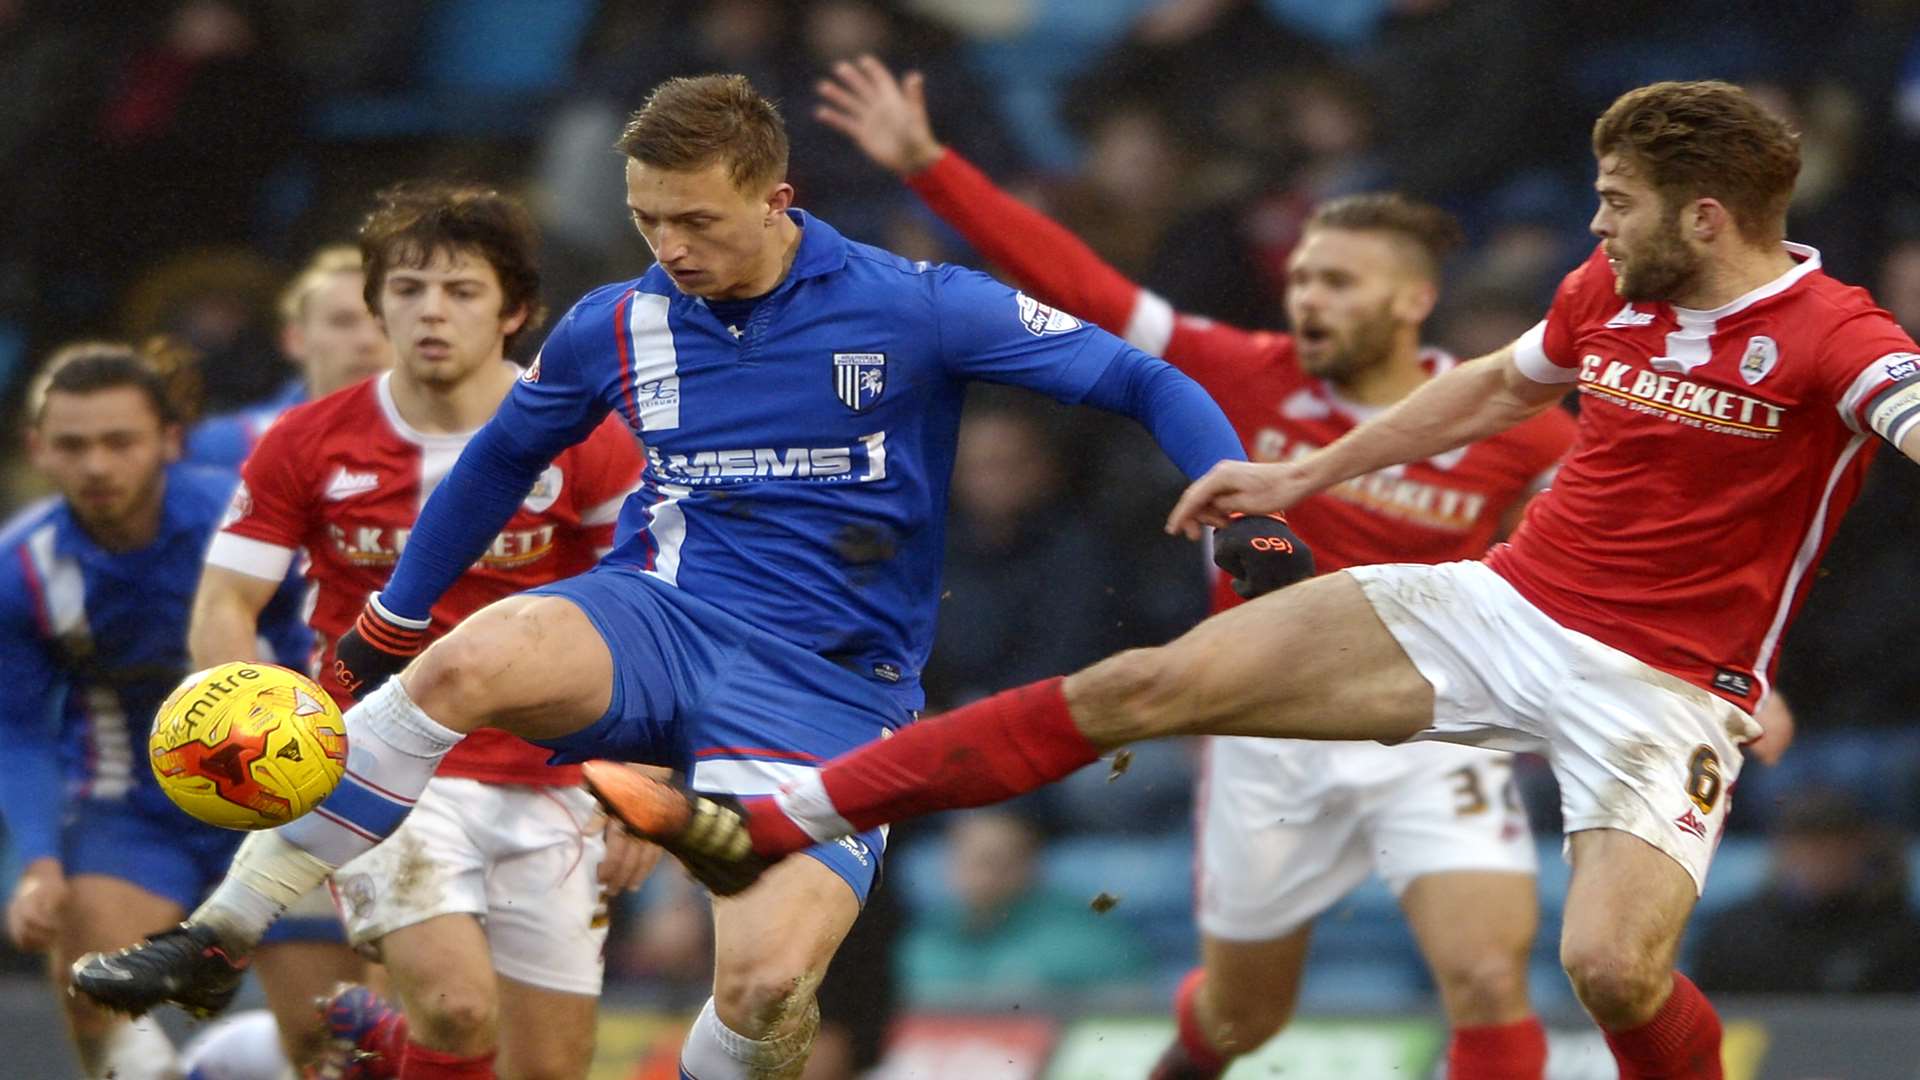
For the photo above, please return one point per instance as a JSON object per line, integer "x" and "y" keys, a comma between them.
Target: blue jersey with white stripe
{"x": 92, "y": 641}
{"x": 226, "y": 440}
{"x": 797, "y": 470}
{"x": 798, "y": 462}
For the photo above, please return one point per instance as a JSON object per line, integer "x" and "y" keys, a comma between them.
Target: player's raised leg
{"x": 1310, "y": 661}
{"x": 1626, "y": 908}
{"x": 530, "y": 665}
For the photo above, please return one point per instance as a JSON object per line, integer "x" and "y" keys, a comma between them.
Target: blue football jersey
{"x": 797, "y": 465}
{"x": 92, "y": 641}
{"x": 226, "y": 440}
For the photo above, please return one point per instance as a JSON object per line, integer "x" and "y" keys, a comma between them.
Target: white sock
{"x": 135, "y": 1050}
{"x": 714, "y": 1051}
{"x": 392, "y": 751}
{"x": 243, "y": 1045}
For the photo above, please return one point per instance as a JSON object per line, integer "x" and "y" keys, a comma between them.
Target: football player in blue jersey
{"x": 772, "y": 601}
{"x": 327, "y": 332}
{"x": 95, "y": 585}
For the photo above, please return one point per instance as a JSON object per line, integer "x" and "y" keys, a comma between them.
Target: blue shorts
{"x": 166, "y": 853}
{"x": 734, "y": 708}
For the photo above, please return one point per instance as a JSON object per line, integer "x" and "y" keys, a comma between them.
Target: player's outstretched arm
{"x": 226, "y": 616}
{"x": 1466, "y": 404}
{"x": 884, "y": 116}
{"x": 887, "y": 119}
{"x": 554, "y": 406}
{"x": 30, "y": 791}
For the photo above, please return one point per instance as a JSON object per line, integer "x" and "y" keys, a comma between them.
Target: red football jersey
{"x": 1717, "y": 451}
{"x": 344, "y": 478}
{"x": 1447, "y": 508}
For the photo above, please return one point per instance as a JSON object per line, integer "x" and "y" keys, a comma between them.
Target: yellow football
{"x": 248, "y": 746}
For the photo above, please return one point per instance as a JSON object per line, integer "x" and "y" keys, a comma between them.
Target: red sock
{"x": 424, "y": 1064}
{"x": 387, "y": 1042}
{"x": 982, "y": 753}
{"x": 1516, "y": 1051}
{"x": 1192, "y": 1055}
{"x": 1681, "y": 1042}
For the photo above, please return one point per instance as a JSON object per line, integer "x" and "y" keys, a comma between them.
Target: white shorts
{"x": 1288, "y": 827}
{"x": 1634, "y": 748}
{"x": 524, "y": 860}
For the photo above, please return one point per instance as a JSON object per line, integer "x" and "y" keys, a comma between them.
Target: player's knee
{"x": 760, "y": 1000}
{"x": 453, "y": 681}
{"x": 1618, "y": 988}
{"x": 1137, "y": 694}
{"x": 1243, "y": 1023}
{"x": 1485, "y": 988}
{"x": 458, "y": 1015}
{"x": 303, "y": 1043}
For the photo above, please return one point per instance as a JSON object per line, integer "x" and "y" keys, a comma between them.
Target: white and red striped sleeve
{"x": 1874, "y": 369}
{"x": 1547, "y": 353}
{"x": 269, "y": 517}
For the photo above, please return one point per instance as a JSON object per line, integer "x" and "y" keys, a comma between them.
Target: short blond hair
{"x": 690, "y": 123}
{"x": 328, "y": 261}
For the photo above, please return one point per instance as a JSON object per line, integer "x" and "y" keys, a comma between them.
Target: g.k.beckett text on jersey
{"x": 1680, "y": 400}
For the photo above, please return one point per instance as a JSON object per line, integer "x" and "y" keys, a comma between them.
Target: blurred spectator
{"x": 221, "y": 303}
{"x": 1475, "y": 321}
{"x": 783, "y": 48}
{"x": 192, "y": 123}
{"x": 1027, "y": 577}
{"x": 1899, "y": 287}
{"x": 1845, "y": 658}
{"x": 1026, "y": 52}
{"x": 327, "y": 336}
{"x": 1463, "y": 89}
{"x": 1833, "y": 917}
{"x": 358, "y": 46}
{"x": 1004, "y": 939}
{"x": 662, "y": 937}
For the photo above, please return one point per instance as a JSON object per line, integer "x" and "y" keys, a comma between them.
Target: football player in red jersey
{"x": 1440, "y": 822}
{"x": 1732, "y": 395}
{"x": 488, "y": 906}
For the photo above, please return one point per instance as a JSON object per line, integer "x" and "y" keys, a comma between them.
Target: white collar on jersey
{"x": 383, "y": 393}
{"x": 1809, "y": 261}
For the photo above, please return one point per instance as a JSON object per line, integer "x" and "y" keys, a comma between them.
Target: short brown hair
{"x": 1427, "y": 227}
{"x": 690, "y": 123}
{"x": 1707, "y": 139}
{"x": 165, "y": 370}
{"x": 411, "y": 223}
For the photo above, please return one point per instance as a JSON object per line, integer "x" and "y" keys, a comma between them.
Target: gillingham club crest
{"x": 858, "y": 378}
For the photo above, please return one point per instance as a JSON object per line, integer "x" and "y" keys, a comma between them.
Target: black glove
{"x": 375, "y": 650}
{"x": 1261, "y": 554}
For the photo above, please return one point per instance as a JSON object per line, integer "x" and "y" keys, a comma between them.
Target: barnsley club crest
{"x": 858, "y": 378}
{"x": 1761, "y": 355}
